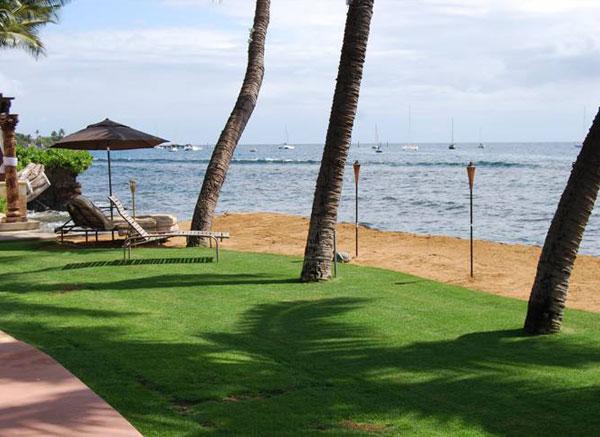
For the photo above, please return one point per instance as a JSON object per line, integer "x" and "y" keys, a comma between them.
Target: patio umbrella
{"x": 108, "y": 135}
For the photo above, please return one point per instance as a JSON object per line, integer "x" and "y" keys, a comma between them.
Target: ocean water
{"x": 517, "y": 186}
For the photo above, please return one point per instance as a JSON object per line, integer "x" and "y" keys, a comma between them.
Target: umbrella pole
{"x": 110, "y": 190}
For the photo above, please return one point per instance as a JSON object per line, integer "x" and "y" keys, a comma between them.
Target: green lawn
{"x": 242, "y": 348}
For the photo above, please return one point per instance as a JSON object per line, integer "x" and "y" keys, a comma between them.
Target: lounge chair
{"x": 87, "y": 218}
{"x": 141, "y": 236}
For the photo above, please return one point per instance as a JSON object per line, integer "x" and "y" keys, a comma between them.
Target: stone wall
{"x": 64, "y": 187}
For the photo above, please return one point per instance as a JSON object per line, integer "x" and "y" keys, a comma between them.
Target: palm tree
{"x": 318, "y": 253}
{"x": 549, "y": 293}
{"x": 214, "y": 178}
{"x": 21, "y": 21}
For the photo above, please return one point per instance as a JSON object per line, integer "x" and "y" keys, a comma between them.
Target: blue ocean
{"x": 517, "y": 186}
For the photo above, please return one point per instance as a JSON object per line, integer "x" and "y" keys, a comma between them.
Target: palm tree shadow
{"x": 310, "y": 366}
{"x": 482, "y": 379}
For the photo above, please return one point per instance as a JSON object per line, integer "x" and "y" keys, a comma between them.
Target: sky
{"x": 518, "y": 70}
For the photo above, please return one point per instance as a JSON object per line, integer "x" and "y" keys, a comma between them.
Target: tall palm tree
{"x": 214, "y": 178}
{"x": 549, "y": 293}
{"x": 21, "y": 21}
{"x": 318, "y": 253}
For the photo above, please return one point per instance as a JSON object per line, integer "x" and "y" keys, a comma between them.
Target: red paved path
{"x": 39, "y": 397}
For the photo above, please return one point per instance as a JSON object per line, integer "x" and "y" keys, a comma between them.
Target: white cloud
{"x": 475, "y": 59}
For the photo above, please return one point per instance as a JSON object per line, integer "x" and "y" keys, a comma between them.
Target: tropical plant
{"x": 75, "y": 161}
{"x": 214, "y": 178}
{"x": 318, "y": 254}
{"x": 549, "y": 292}
{"x": 21, "y": 21}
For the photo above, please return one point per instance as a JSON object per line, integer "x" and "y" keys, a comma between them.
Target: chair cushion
{"x": 148, "y": 223}
{"x": 85, "y": 214}
{"x": 164, "y": 222}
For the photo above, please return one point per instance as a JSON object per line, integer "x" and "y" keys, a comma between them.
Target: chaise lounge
{"x": 141, "y": 236}
{"x": 86, "y": 218}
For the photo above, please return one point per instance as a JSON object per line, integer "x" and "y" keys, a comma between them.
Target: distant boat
{"x": 410, "y": 146}
{"x": 583, "y": 127}
{"x": 452, "y": 146}
{"x": 190, "y": 148}
{"x": 286, "y": 145}
{"x": 481, "y": 145}
{"x": 377, "y": 145}
{"x": 253, "y": 150}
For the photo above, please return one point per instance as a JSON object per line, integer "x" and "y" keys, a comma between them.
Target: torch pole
{"x": 334, "y": 253}
{"x": 356, "y": 215}
{"x": 471, "y": 175}
{"x": 356, "y": 167}
{"x": 471, "y": 208}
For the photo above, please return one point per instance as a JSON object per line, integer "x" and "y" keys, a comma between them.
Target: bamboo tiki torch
{"x": 471, "y": 174}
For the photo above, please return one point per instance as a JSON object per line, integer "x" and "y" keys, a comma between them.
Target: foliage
{"x": 76, "y": 161}
{"x": 242, "y": 348}
{"x": 40, "y": 141}
{"x": 3, "y": 205}
{"x": 21, "y": 21}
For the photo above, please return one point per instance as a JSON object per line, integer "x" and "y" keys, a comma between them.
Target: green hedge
{"x": 2, "y": 205}
{"x": 76, "y": 161}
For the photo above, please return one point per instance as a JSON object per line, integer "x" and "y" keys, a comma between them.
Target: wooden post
{"x": 2, "y": 175}
{"x": 356, "y": 167}
{"x": 133, "y": 187}
{"x": 5, "y": 103}
{"x": 8, "y": 123}
{"x": 471, "y": 175}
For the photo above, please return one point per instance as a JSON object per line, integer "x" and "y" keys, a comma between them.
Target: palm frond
{"x": 21, "y": 20}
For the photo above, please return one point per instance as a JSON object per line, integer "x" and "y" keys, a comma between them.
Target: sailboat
{"x": 583, "y": 126}
{"x": 452, "y": 146}
{"x": 410, "y": 146}
{"x": 286, "y": 145}
{"x": 377, "y": 145}
{"x": 481, "y": 145}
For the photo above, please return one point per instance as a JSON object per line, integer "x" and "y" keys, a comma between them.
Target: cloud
{"x": 475, "y": 59}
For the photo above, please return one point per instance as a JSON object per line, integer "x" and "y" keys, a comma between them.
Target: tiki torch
{"x": 356, "y": 167}
{"x": 133, "y": 188}
{"x": 471, "y": 174}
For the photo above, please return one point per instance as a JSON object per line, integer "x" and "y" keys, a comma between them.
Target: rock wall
{"x": 64, "y": 187}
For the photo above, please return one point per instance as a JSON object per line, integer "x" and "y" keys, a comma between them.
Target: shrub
{"x": 76, "y": 161}
{"x": 3, "y": 205}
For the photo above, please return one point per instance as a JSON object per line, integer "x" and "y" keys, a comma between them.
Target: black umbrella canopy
{"x": 108, "y": 135}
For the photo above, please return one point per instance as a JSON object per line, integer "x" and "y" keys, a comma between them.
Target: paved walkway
{"x": 39, "y": 397}
{"x": 26, "y": 235}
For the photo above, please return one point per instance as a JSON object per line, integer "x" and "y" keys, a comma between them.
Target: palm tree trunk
{"x": 549, "y": 293}
{"x": 318, "y": 253}
{"x": 230, "y": 136}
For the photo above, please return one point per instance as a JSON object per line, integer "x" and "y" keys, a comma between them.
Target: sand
{"x": 502, "y": 269}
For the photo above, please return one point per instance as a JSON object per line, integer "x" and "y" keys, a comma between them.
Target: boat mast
{"x": 583, "y": 126}
{"x": 409, "y": 125}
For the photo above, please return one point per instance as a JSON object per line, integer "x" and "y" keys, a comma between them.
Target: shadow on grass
{"x": 300, "y": 366}
{"x": 167, "y": 282}
{"x": 137, "y": 262}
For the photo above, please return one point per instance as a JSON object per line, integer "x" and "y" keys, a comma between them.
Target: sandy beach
{"x": 502, "y": 269}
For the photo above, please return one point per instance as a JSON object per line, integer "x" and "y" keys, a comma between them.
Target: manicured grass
{"x": 242, "y": 348}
